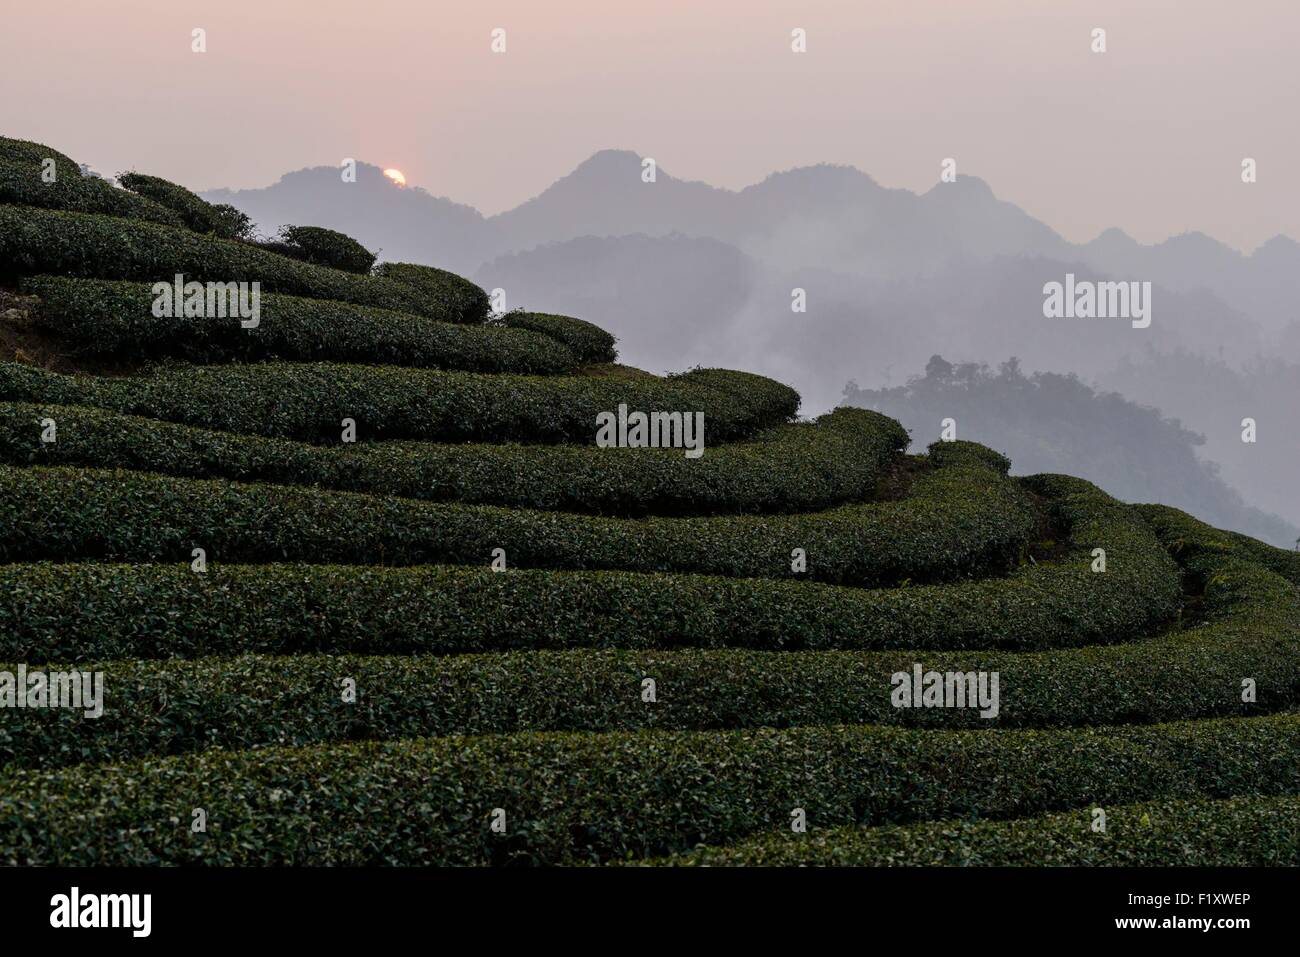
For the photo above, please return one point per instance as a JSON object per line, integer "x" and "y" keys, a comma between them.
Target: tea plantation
{"x": 364, "y": 589}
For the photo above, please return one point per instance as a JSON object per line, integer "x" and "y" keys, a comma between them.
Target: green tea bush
{"x": 113, "y": 317}
{"x": 1184, "y": 535}
{"x": 791, "y": 468}
{"x": 308, "y": 401}
{"x": 28, "y": 153}
{"x": 232, "y": 223}
{"x": 1232, "y": 832}
{"x": 961, "y": 451}
{"x": 582, "y": 798}
{"x": 101, "y": 611}
{"x": 195, "y": 213}
{"x": 21, "y": 184}
{"x": 589, "y": 342}
{"x": 209, "y": 701}
{"x": 326, "y": 247}
{"x": 1251, "y": 629}
{"x": 957, "y": 522}
{"x": 450, "y": 294}
{"x": 34, "y": 241}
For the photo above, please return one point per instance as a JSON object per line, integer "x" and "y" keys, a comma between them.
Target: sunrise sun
{"x": 396, "y": 176}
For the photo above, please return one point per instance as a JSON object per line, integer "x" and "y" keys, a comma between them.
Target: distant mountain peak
{"x": 603, "y": 172}
{"x": 308, "y": 175}
{"x": 823, "y": 178}
{"x": 1113, "y": 240}
{"x": 964, "y": 187}
{"x": 1279, "y": 245}
{"x": 1198, "y": 241}
{"x": 612, "y": 166}
{"x": 603, "y": 159}
{"x": 1114, "y": 234}
{"x": 823, "y": 171}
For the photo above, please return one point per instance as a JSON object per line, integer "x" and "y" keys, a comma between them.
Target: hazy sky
{"x": 1148, "y": 136}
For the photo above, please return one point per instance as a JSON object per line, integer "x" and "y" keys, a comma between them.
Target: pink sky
{"x": 1148, "y": 136}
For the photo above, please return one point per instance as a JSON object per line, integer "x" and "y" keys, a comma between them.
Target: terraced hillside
{"x": 364, "y": 590}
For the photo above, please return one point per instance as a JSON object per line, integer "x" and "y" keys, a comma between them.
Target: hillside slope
{"x": 364, "y": 589}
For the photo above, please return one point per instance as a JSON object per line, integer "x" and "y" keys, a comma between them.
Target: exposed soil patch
{"x": 22, "y": 340}
{"x": 896, "y": 482}
{"x": 1052, "y": 537}
{"x": 1192, "y": 613}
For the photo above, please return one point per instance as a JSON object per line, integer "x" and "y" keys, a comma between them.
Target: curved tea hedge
{"x": 71, "y": 611}
{"x": 65, "y": 514}
{"x": 103, "y": 611}
{"x": 442, "y": 290}
{"x": 35, "y": 241}
{"x": 1230, "y": 832}
{"x": 195, "y": 213}
{"x": 257, "y": 700}
{"x": 21, "y": 183}
{"x": 326, "y": 247}
{"x": 589, "y": 342}
{"x": 1253, "y": 629}
{"x": 577, "y": 798}
{"x": 1184, "y": 535}
{"x": 27, "y": 152}
{"x": 796, "y": 467}
{"x": 115, "y": 317}
{"x": 308, "y": 401}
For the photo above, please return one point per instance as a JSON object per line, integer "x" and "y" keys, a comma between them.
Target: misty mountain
{"x": 402, "y": 224}
{"x": 1263, "y": 285}
{"x": 620, "y": 280}
{"x": 832, "y": 217}
{"x": 1213, "y": 397}
{"x": 605, "y": 196}
{"x": 674, "y": 299}
{"x": 1055, "y": 423}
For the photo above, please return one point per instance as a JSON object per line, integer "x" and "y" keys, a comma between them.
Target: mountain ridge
{"x": 825, "y": 215}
